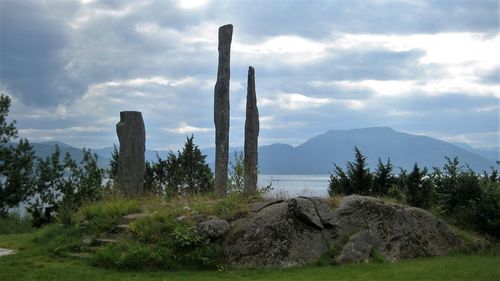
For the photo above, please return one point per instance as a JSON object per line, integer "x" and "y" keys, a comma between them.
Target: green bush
{"x": 14, "y": 224}
{"x": 103, "y": 216}
{"x": 59, "y": 240}
{"x": 231, "y": 207}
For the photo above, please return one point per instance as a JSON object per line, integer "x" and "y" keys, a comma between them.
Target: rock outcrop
{"x": 299, "y": 231}
{"x": 131, "y": 162}
{"x": 221, "y": 109}
{"x": 213, "y": 229}
{"x": 251, "y": 136}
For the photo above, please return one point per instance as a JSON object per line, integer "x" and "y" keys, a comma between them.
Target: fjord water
{"x": 296, "y": 185}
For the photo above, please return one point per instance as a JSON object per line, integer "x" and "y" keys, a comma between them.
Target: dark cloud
{"x": 31, "y": 57}
{"x": 260, "y": 19}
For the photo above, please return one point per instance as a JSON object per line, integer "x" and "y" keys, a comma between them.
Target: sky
{"x": 418, "y": 66}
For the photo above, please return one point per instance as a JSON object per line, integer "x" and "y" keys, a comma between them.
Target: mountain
{"x": 492, "y": 154}
{"x": 45, "y": 149}
{"x": 318, "y": 154}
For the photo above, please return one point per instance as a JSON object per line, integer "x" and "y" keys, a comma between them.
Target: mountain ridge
{"x": 318, "y": 154}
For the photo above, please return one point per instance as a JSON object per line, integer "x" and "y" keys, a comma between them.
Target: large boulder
{"x": 394, "y": 231}
{"x": 273, "y": 237}
{"x": 299, "y": 231}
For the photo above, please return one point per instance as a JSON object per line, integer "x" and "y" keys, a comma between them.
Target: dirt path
{"x": 6, "y": 252}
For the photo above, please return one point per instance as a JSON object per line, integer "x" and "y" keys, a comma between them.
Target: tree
{"x": 48, "y": 187}
{"x": 418, "y": 187}
{"x": 113, "y": 163}
{"x": 16, "y": 162}
{"x": 236, "y": 174}
{"x": 83, "y": 183}
{"x": 339, "y": 183}
{"x": 383, "y": 178}
{"x": 357, "y": 180}
{"x": 198, "y": 177}
{"x": 181, "y": 173}
{"x": 455, "y": 187}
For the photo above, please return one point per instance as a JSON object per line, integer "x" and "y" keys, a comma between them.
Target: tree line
{"x": 59, "y": 185}
{"x": 453, "y": 191}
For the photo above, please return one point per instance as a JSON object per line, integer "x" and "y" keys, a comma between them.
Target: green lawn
{"x": 32, "y": 263}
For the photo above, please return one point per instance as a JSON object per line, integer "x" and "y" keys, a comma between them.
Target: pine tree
{"x": 359, "y": 175}
{"x": 418, "y": 188}
{"x": 339, "y": 183}
{"x": 198, "y": 177}
{"x": 16, "y": 163}
{"x": 383, "y": 178}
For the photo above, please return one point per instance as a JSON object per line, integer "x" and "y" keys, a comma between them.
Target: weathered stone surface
{"x": 251, "y": 136}
{"x": 132, "y": 217}
{"x": 272, "y": 237}
{"x": 303, "y": 208}
{"x": 131, "y": 164}
{"x": 325, "y": 213}
{"x": 213, "y": 229}
{"x": 221, "y": 109}
{"x": 281, "y": 234}
{"x": 257, "y": 206}
{"x": 394, "y": 231}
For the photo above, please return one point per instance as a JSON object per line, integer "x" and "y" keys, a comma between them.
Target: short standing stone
{"x": 251, "y": 136}
{"x": 131, "y": 164}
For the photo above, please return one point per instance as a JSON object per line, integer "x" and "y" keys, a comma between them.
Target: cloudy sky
{"x": 422, "y": 67}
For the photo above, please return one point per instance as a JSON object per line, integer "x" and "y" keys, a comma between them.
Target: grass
{"x": 13, "y": 223}
{"x": 33, "y": 263}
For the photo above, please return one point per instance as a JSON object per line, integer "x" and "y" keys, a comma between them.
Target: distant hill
{"x": 45, "y": 149}
{"x": 318, "y": 154}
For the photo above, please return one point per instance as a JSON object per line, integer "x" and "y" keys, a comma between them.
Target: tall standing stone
{"x": 221, "y": 110}
{"x": 131, "y": 164}
{"x": 251, "y": 136}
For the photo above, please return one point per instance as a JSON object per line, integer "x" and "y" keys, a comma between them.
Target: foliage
{"x": 48, "y": 185}
{"x": 357, "y": 180}
{"x": 455, "y": 192}
{"x": 383, "y": 179}
{"x": 15, "y": 224}
{"x": 417, "y": 187}
{"x": 179, "y": 174}
{"x": 236, "y": 174}
{"x": 102, "y": 216}
{"x": 59, "y": 240}
{"x": 16, "y": 165}
{"x": 113, "y": 163}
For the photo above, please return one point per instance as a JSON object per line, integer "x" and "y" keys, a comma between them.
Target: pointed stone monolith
{"x": 131, "y": 164}
{"x": 221, "y": 110}
{"x": 251, "y": 136}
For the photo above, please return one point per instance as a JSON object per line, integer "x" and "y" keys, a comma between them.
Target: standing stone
{"x": 221, "y": 110}
{"x": 251, "y": 136}
{"x": 131, "y": 165}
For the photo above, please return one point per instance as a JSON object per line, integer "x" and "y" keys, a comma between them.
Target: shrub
{"x": 15, "y": 224}
{"x": 104, "y": 215}
{"x": 59, "y": 240}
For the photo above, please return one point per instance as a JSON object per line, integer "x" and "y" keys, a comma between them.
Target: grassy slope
{"x": 32, "y": 263}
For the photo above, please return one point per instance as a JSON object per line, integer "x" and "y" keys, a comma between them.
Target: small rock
{"x": 131, "y": 217}
{"x": 180, "y": 218}
{"x": 213, "y": 229}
